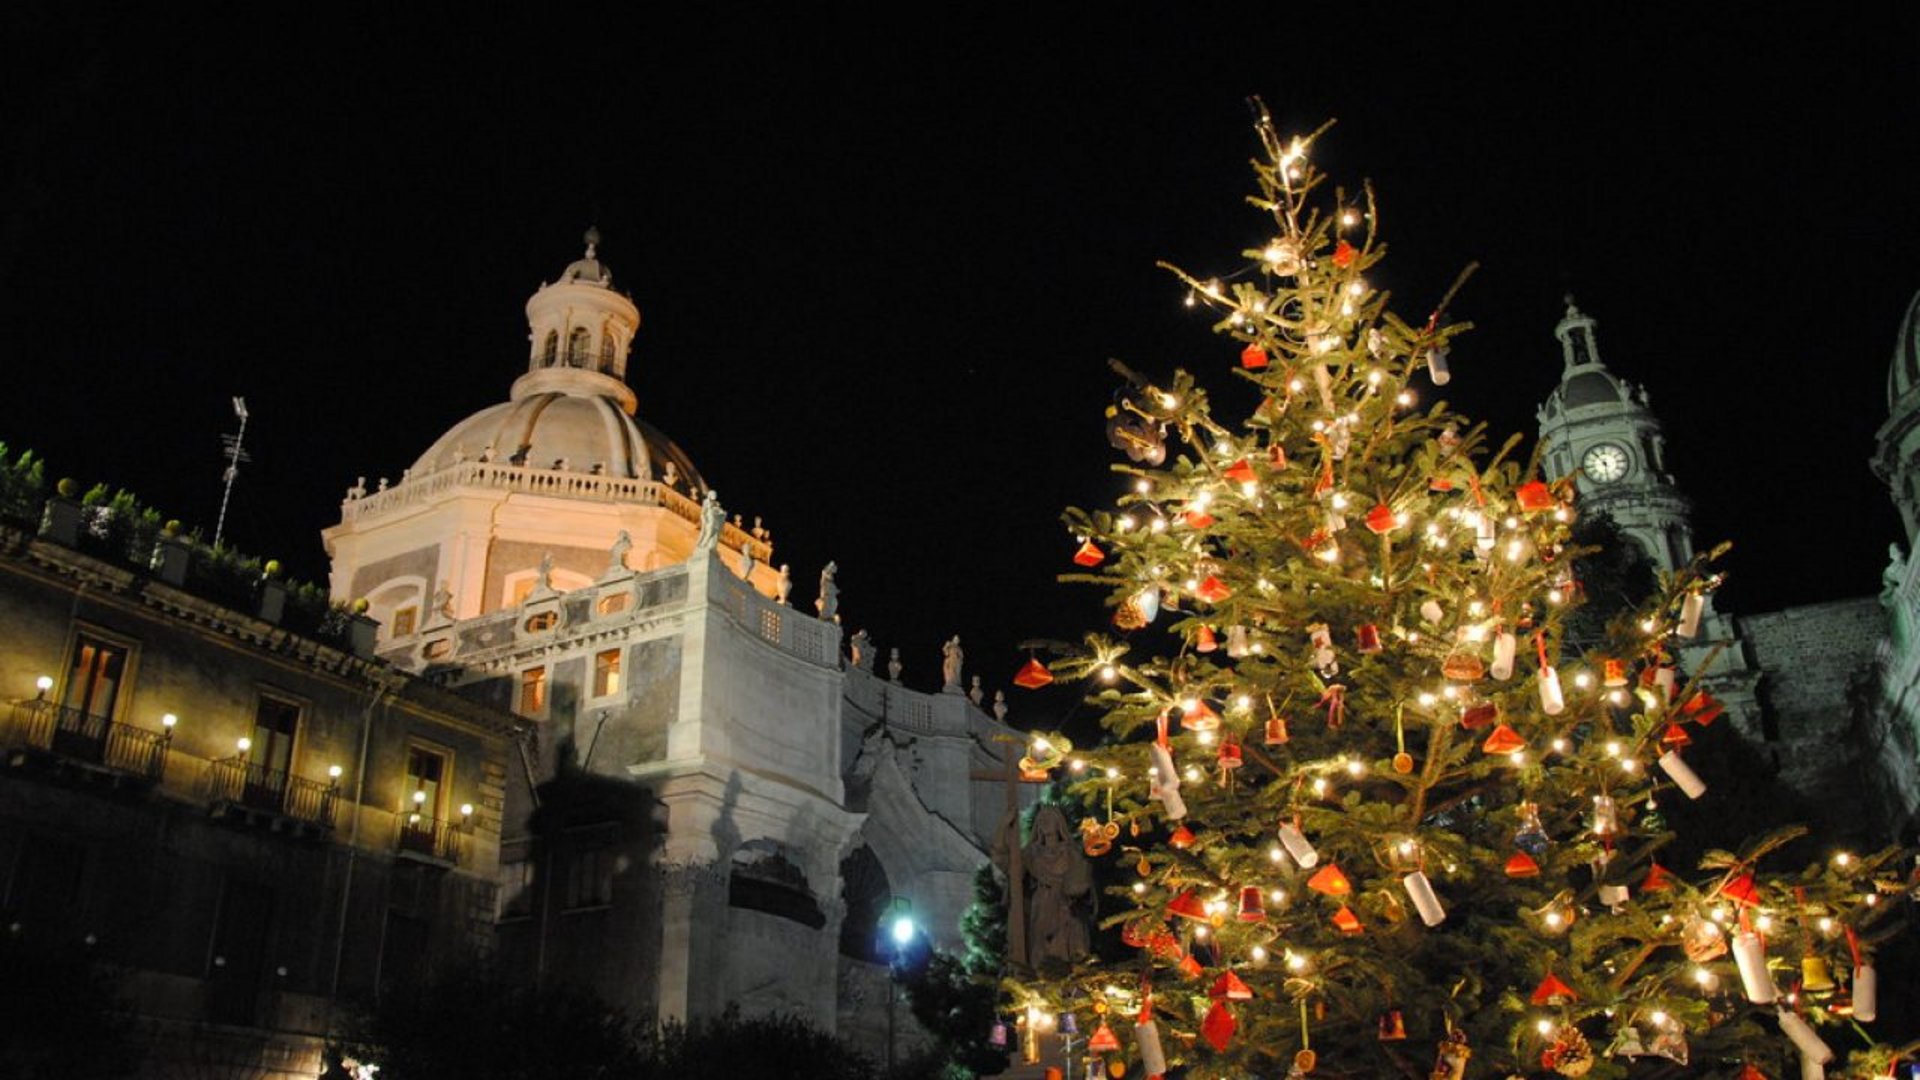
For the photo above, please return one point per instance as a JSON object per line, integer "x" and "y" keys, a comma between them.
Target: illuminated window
{"x": 533, "y": 691}
{"x": 606, "y": 673}
{"x": 93, "y": 683}
{"x": 579, "y": 347}
{"x": 613, "y": 603}
{"x": 520, "y": 590}
{"x": 542, "y": 622}
{"x": 405, "y": 621}
{"x": 606, "y": 352}
{"x": 552, "y": 351}
{"x": 275, "y": 723}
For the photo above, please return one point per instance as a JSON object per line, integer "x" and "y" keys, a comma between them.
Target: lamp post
{"x": 901, "y": 931}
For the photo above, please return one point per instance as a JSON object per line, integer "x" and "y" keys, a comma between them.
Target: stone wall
{"x": 1817, "y": 664}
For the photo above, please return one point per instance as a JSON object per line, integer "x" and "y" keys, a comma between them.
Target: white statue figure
{"x": 746, "y": 563}
{"x": 713, "y": 519}
{"x": 617, "y": 554}
{"x": 406, "y": 475}
{"x": 358, "y": 490}
{"x": 951, "y": 658}
{"x": 486, "y": 454}
{"x": 670, "y": 476}
{"x": 443, "y": 601}
{"x": 546, "y": 573}
{"x": 783, "y": 588}
{"x": 893, "y": 663}
{"x": 862, "y": 647}
{"x": 1000, "y": 705}
{"x": 974, "y": 693}
{"x": 383, "y": 483}
{"x": 828, "y": 603}
{"x": 759, "y": 528}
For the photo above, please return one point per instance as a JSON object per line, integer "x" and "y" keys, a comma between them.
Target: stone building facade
{"x": 243, "y": 820}
{"x": 1829, "y": 691}
{"x": 718, "y": 794}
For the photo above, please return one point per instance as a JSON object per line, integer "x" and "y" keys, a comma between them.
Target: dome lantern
{"x": 580, "y": 330}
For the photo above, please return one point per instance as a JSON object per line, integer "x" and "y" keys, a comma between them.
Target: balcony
{"x": 64, "y": 736}
{"x": 252, "y": 792}
{"x": 430, "y": 839}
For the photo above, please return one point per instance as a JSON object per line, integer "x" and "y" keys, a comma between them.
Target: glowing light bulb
{"x": 1404, "y": 398}
{"x": 1583, "y": 680}
{"x": 1205, "y": 738}
{"x": 1258, "y": 953}
{"x": 1077, "y": 765}
{"x": 1355, "y": 768}
{"x": 1295, "y": 961}
{"x": 1543, "y": 1026}
{"x": 1113, "y": 773}
{"x": 1842, "y": 860}
{"x": 1143, "y": 485}
{"x": 1139, "y": 887}
{"x": 1559, "y": 746}
{"x": 1107, "y": 673}
{"x": 1278, "y": 896}
{"x": 1274, "y": 854}
{"x": 1320, "y": 785}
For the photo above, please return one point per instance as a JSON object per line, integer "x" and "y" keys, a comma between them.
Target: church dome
{"x": 1904, "y": 374}
{"x": 553, "y": 430}
{"x": 1590, "y": 388}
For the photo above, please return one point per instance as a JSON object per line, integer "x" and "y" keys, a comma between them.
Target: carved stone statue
{"x": 358, "y": 490}
{"x": 617, "y": 554}
{"x": 1000, "y": 705}
{"x": 670, "y": 475}
{"x": 443, "y": 601}
{"x": 862, "y": 648}
{"x": 893, "y": 663}
{"x": 783, "y": 588}
{"x": 713, "y": 520}
{"x": 1058, "y": 883}
{"x": 974, "y": 693}
{"x": 546, "y": 573}
{"x": 746, "y": 563}
{"x": 486, "y": 454}
{"x": 828, "y": 603}
{"x": 951, "y": 658}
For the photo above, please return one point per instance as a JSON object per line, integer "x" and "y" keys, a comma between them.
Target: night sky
{"x": 881, "y": 260}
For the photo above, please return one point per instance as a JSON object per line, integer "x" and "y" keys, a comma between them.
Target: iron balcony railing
{"x": 95, "y": 740}
{"x": 431, "y": 837}
{"x": 240, "y": 782}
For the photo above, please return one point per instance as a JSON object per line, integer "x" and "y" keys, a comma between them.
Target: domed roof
{"x": 544, "y": 430}
{"x": 1904, "y": 373}
{"x": 1590, "y": 388}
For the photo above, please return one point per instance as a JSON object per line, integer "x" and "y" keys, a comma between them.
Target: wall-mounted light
{"x": 167, "y": 720}
{"x": 419, "y": 798}
{"x": 466, "y": 809}
{"x": 44, "y": 683}
{"x": 245, "y": 744}
{"x": 333, "y": 772}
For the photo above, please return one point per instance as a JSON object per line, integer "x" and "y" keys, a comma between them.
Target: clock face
{"x": 1605, "y": 463}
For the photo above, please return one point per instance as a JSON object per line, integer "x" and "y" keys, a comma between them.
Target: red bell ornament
{"x": 1253, "y": 358}
{"x": 1219, "y": 1025}
{"x": 1230, "y": 757}
{"x": 1276, "y": 733}
{"x": 1252, "y": 904}
{"x": 1033, "y": 675}
{"x": 1346, "y": 921}
{"x": 1089, "y": 554}
{"x": 1533, "y": 497}
{"x": 1204, "y": 640}
{"x": 1187, "y": 906}
{"x": 1329, "y": 880}
{"x": 1212, "y": 590}
{"x": 1380, "y": 519}
{"x": 1103, "y": 1040}
{"x": 1231, "y": 987}
{"x": 1240, "y": 472}
{"x": 1504, "y": 740}
{"x": 1615, "y": 673}
{"x": 1552, "y": 991}
{"x": 1522, "y": 865}
{"x": 1367, "y": 637}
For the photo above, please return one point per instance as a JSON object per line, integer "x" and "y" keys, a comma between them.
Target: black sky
{"x": 881, "y": 259}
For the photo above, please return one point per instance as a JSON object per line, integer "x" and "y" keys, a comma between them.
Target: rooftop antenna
{"x": 235, "y": 453}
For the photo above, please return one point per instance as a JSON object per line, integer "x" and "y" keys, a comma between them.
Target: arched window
{"x": 606, "y": 352}
{"x": 579, "y": 347}
{"x": 552, "y": 350}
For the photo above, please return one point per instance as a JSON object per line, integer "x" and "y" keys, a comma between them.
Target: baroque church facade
{"x": 714, "y": 797}
{"x": 1830, "y": 692}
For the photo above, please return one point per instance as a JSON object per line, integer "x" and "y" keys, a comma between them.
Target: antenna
{"x": 235, "y": 453}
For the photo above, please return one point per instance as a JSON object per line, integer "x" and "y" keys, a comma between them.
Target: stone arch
{"x": 579, "y": 341}
{"x": 866, "y": 893}
{"x": 390, "y": 603}
{"x": 550, "y": 352}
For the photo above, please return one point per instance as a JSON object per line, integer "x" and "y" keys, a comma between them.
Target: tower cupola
{"x": 581, "y": 331}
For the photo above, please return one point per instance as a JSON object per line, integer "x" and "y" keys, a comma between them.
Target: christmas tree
{"x": 1377, "y": 819}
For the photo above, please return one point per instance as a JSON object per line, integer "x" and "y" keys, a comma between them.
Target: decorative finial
{"x": 593, "y": 239}
{"x": 1572, "y": 308}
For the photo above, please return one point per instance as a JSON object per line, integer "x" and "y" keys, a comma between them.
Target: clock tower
{"x": 1601, "y": 430}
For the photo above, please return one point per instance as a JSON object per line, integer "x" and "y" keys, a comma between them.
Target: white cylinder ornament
{"x": 1166, "y": 786}
{"x": 1424, "y": 900}
{"x": 1866, "y": 993}
{"x": 1682, "y": 774}
{"x": 1298, "y": 846}
{"x": 1751, "y": 958}
{"x": 1437, "y": 368}
{"x": 1691, "y": 608}
{"x": 1553, "y": 701}
{"x": 1804, "y": 1039}
{"x": 1663, "y": 681}
{"x": 1486, "y": 534}
{"x": 1152, "y": 1059}
{"x": 1432, "y": 612}
{"x": 1614, "y": 896}
{"x": 1503, "y": 649}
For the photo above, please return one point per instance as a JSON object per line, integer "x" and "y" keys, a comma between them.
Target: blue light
{"x": 904, "y": 931}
